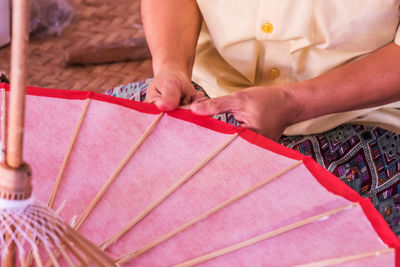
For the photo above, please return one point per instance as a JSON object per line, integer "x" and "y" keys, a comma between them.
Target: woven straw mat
{"x": 96, "y": 21}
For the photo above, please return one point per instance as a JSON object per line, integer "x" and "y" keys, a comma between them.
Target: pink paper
{"x": 170, "y": 152}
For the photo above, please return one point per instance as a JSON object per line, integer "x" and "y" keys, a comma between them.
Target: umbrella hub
{"x": 15, "y": 183}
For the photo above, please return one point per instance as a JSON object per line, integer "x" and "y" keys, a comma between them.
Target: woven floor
{"x": 96, "y": 21}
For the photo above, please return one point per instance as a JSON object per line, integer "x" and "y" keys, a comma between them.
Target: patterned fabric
{"x": 137, "y": 91}
{"x": 365, "y": 158}
{"x": 133, "y": 91}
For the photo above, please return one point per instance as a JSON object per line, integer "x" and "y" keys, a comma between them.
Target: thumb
{"x": 212, "y": 106}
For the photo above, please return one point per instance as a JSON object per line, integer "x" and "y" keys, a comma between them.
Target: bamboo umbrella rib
{"x": 3, "y": 123}
{"x": 90, "y": 250}
{"x": 60, "y": 208}
{"x": 21, "y": 257}
{"x": 62, "y": 251}
{"x": 117, "y": 171}
{"x": 263, "y": 237}
{"x": 108, "y": 183}
{"x": 66, "y": 256}
{"x": 38, "y": 260}
{"x": 64, "y": 164}
{"x": 68, "y": 154}
{"x": 10, "y": 257}
{"x": 52, "y": 257}
{"x": 74, "y": 252}
{"x": 166, "y": 194}
{"x": 130, "y": 256}
{"x": 346, "y": 258}
{"x": 30, "y": 255}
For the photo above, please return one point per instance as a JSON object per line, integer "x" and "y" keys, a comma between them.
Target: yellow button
{"x": 267, "y": 27}
{"x": 274, "y": 73}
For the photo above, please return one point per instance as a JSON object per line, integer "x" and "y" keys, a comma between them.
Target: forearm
{"x": 371, "y": 81}
{"x": 172, "y": 28}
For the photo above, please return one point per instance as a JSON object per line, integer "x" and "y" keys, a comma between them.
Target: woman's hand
{"x": 368, "y": 82}
{"x": 265, "y": 110}
{"x": 172, "y": 28}
{"x": 170, "y": 89}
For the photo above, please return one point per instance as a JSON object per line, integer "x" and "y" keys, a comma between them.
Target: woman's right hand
{"x": 172, "y": 29}
{"x": 170, "y": 89}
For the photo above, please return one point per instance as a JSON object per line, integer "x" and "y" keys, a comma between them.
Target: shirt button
{"x": 273, "y": 73}
{"x": 267, "y": 27}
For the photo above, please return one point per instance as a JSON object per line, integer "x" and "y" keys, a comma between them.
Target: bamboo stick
{"x": 131, "y": 152}
{"x": 61, "y": 250}
{"x": 63, "y": 166}
{"x": 29, "y": 259}
{"x": 166, "y": 194}
{"x": 21, "y": 257}
{"x": 19, "y": 51}
{"x": 68, "y": 154}
{"x": 66, "y": 256}
{"x": 344, "y": 259}
{"x": 9, "y": 258}
{"x": 108, "y": 183}
{"x": 130, "y": 256}
{"x": 88, "y": 249}
{"x": 263, "y": 237}
{"x": 38, "y": 260}
{"x": 52, "y": 258}
{"x": 74, "y": 252}
{"x": 3, "y": 124}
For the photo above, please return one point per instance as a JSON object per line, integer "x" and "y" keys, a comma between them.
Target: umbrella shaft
{"x": 19, "y": 49}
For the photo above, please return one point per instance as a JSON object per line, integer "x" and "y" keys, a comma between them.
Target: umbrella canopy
{"x": 192, "y": 186}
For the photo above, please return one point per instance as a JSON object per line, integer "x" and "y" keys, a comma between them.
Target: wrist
{"x": 172, "y": 64}
{"x": 168, "y": 68}
{"x": 297, "y": 109}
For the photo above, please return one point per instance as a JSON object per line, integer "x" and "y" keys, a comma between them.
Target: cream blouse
{"x": 246, "y": 43}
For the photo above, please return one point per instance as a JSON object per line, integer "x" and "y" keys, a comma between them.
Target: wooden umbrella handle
{"x": 19, "y": 49}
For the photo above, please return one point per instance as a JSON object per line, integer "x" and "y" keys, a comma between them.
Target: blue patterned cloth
{"x": 137, "y": 91}
{"x": 365, "y": 158}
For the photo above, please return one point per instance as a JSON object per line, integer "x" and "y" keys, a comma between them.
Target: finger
{"x": 202, "y": 99}
{"x": 241, "y": 119}
{"x": 190, "y": 94}
{"x": 213, "y": 106}
{"x": 151, "y": 94}
{"x": 151, "y": 99}
{"x": 198, "y": 96}
{"x": 168, "y": 100}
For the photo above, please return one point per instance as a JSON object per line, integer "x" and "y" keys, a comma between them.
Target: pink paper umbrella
{"x": 157, "y": 189}
{"x": 26, "y": 225}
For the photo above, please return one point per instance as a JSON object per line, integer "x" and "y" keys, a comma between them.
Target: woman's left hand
{"x": 265, "y": 110}
{"x": 368, "y": 82}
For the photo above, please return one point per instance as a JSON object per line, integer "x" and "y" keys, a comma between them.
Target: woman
{"x": 320, "y": 71}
